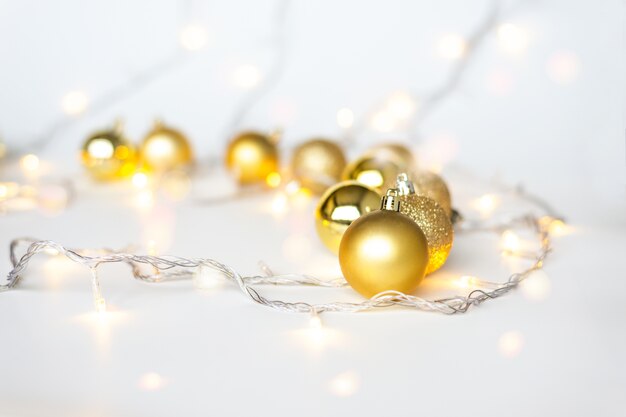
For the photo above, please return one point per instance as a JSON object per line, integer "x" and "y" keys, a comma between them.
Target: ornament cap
{"x": 404, "y": 185}
{"x": 390, "y": 201}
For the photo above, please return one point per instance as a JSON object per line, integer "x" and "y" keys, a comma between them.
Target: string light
{"x": 486, "y": 204}
{"x": 452, "y": 46}
{"x": 345, "y": 118}
{"x": 246, "y": 77}
{"x": 140, "y": 180}
{"x": 510, "y": 242}
{"x": 74, "y": 103}
{"x": 401, "y": 105}
{"x": 29, "y": 163}
{"x": 512, "y": 39}
{"x": 537, "y": 287}
{"x": 193, "y": 37}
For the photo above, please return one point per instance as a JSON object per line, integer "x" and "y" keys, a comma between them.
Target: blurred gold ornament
{"x": 108, "y": 155}
{"x": 433, "y": 186}
{"x": 339, "y": 207}
{"x": 317, "y": 164}
{"x": 164, "y": 149}
{"x": 431, "y": 218}
{"x": 384, "y": 251}
{"x": 373, "y": 171}
{"x": 398, "y": 152}
{"x": 252, "y": 156}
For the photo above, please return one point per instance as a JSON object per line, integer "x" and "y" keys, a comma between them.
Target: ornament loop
{"x": 390, "y": 201}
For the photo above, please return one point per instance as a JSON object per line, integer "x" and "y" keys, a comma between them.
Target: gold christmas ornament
{"x": 431, "y": 218}
{"x": 252, "y": 156}
{"x": 373, "y": 171}
{"x": 339, "y": 207}
{"x": 108, "y": 155}
{"x": 165, "y": 148}
{"x": 395, "y": 151}
{"x": 317, "y": 164}
{"x": 383, "y": 251}
{"x": 431, "y": 185}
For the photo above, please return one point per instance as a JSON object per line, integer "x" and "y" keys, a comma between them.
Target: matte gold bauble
{"x": 431, "y": 218}
{"x": 164, "y": 149}
{"x": 108, "y": 155}
{"x": 317, "y": 164}
{"x": 373, "y": 171}
{"x": 384, "y": 251}
{"x": 339, "y": 207}
{"x": 433, "y": 186}
{"x": 397, "y": 151}
{"x": 252, "y": 156}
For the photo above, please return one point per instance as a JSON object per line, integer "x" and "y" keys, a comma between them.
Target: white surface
{"x": 218, "y": 353}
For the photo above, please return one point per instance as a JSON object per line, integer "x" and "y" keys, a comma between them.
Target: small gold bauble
{"x": 383, "y": 251}
{"x": 397, "y": 151}
{"x": 339, "y": 207}
{"x": 433, "y": 186}
{"x": 373, "y": 171}
{"x": 108, "y": 155}
{"x": 164, "y": 149}
{"x": 252, "y": 156}
{"x": 317, "y": 164}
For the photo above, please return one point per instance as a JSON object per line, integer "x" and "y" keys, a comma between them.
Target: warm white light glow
{"x": 510, "y": 241}
{"x": 373, "y": 178}
{"x": 383, "y": 122}
{"x": 401, "y": 105}
{"x": 510, "y": 344}
{"x": 292, "y": 187}
{"x": 193, "y": 37}
{"x": 144, "y": 200}
{"x": 345, "y": 118}
{"x": 452, "y": 46}
{"x": 246, "y": 76}
{"x": 279, "y": 204}
{"x": 74, "y": 102}
{"x": 563, "y": 67}
{"x": 151, "y": 381}
{"x": 315, "y": 321}
{"x": 100, "y": 149}
{"x": 486, "y": 204}
{"x": 29, "y": 163}
{"x": 208, "y": 279}
{"x": 512, "y": 39}
{"x": 466, "y": 281}
{"x": 101, "y": 305}
{"x": 345, "y": 384}
{"x": 140, "y": 180}
{"x": 536, "y": 286}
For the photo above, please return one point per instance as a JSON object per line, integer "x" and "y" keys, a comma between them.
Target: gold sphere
{"x": 339, "y": 207}
{"x": 252, "y": 156}
{"x": 317, "y": 164}
{"x": 164, "y": 149}
{"x": 435, "y": 225}
{"x": 373, "y": 171}
{"x": 382, "y": 251}
{"x": 396, "y": 151}
{"x": 433, "y": 186}
{"x": 108, "y": 155}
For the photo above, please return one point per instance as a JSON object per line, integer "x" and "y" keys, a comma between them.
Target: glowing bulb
{"x": 486, "y": 204}
{"x": 151, "y": 381}
{"x": 273, "y": 179}
{"x": 315, "y": 322}
{"x": 292, "y": 187}
{"x": 452, "y": 46}
{"x": 246, "y": 76}
{"x": 140, "y": 180}
{"x": 74, "y": 103}
{"x": 510, "y": 344}
{"x": 512, "y": 39}
{"x": 467, "y": 281}
{"x": 510, "y": 241}
{"x": 193, "y": 37}
{"x": 345, "y": 118}
{"x": 101, "y": 305}
{"x": 29, "y": 163}
{"x": 401, "y": 105}
{"x": 100, "y": 149}
{"x": 563, "y": 67}
{"x": 344, "y": 384}
{"x": 383, "y": 121}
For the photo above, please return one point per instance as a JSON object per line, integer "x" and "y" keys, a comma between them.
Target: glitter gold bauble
{"x": 396, "y": 151}
{"x": 339, "y": 207}
{"x": 373, "y": 171}
{"x": 252, "y": 156}
{"x": 164, "y": 149}
{"x": 317, "y": 164}
{"x": 384, "y": 251}
{"x": 433, "y": 186}
{"x": 108, "y": 155}
{"x": 431, "y": 218}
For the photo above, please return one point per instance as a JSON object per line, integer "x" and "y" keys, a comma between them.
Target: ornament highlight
{"x": 431, "y": 185}
{"x": 341, "y": 205}
{"x": 108, "y": 155}
{"x": 165, "y": 148}
{"x": 384, "y": 251}
{"x": 317, "y": 164}
{"x": 252, "y": 156}
{"x": 397, "y": 152}
{"x": 431, "y": 218}
{"x": 373, "y": 171}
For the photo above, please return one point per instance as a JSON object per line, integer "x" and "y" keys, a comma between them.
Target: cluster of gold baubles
{"x": 388, "y": 248}
{"x": 110, "y": 155}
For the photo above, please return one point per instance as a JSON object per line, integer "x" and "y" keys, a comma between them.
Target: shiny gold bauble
{"x": 252, "y": 156}
{"x": 435, "y": 224}
{"x": 317, "y": 164}
{"x": 383, "y": 251}
{"x": 164, "y": 149}
{"x": 433, "y": 186}
{"x": 339, "y": 207}
{"x": 397, "y": 151}
{"x": 373, "y": 171}
{"x": 108, "y": 155}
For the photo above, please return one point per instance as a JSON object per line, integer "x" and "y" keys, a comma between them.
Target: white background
{"x": 218, "y": 353}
